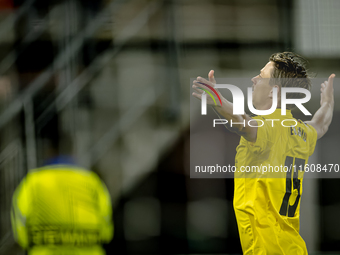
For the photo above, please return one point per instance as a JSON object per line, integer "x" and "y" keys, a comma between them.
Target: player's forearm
{"x": 226, "y": 111}
{"x": 323, "y": 117}
{"x": 236, "y": 123}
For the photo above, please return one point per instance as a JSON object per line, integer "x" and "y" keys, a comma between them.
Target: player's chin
{"x": 254, "y": 101}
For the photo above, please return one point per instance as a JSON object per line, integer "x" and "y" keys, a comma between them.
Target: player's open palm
{"x": 327, "y": 91}
{"x": 201, "y": 86}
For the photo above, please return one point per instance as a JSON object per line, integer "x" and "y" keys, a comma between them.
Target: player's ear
{"x": 278, "y": 92}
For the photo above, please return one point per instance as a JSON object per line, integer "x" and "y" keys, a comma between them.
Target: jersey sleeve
{"x": 312, "y": 138}
{"x": 19, "y": 213}
{"x": 262, "y": 137}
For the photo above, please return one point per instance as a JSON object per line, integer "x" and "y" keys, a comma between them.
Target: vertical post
{"x": 286, "y": 26}
{"x": 172, "y": 59}
{"x": 69, "y": 117}
{"x": 31, "y": 153}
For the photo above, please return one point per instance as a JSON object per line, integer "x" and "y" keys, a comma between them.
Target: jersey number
{"x": 287, "y": 209}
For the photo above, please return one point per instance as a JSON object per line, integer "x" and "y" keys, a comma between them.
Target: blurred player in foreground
{"x": 61, "y": 208}
{"x": 268, "y": 209}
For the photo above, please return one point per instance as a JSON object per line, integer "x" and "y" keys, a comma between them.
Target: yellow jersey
{"x": 62, "y": 209}
{"x": 268, "y": 184}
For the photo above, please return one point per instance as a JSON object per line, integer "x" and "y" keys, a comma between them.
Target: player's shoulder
{"x": 302, "y": 122}
{"x": 306, "y": 125}
{"x": 60, "y": 171}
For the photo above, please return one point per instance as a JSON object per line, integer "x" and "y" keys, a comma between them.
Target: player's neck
{"x": 267, "y": 106}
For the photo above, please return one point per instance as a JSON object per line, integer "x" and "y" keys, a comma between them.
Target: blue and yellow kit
{"x": 62, "y": 209}
{"x": 267, "y": 200}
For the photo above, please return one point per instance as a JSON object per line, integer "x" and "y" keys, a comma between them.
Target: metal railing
{"x": 12, "y": 171}
{"x": 24, "y": 102}
{"x": 62, "y": 59}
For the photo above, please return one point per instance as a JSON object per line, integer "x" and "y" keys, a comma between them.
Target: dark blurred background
{"x": 114, "y": 76}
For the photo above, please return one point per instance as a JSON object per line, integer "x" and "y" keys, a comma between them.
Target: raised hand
{"x": 327, "y": 91}
{"x": 323, "y": 116}
{"x": 211, "y": 77}
{"x": 201, "y": 86}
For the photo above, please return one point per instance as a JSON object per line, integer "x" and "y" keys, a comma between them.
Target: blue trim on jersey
{"x": 60, "y": 160}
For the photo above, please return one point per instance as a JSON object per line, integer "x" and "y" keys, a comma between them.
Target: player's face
{"x": 262, "y": 97}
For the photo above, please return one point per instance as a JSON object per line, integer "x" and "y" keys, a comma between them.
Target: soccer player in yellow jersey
{"x": 267, "y": 207}
{"x": 62, "y": 209}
